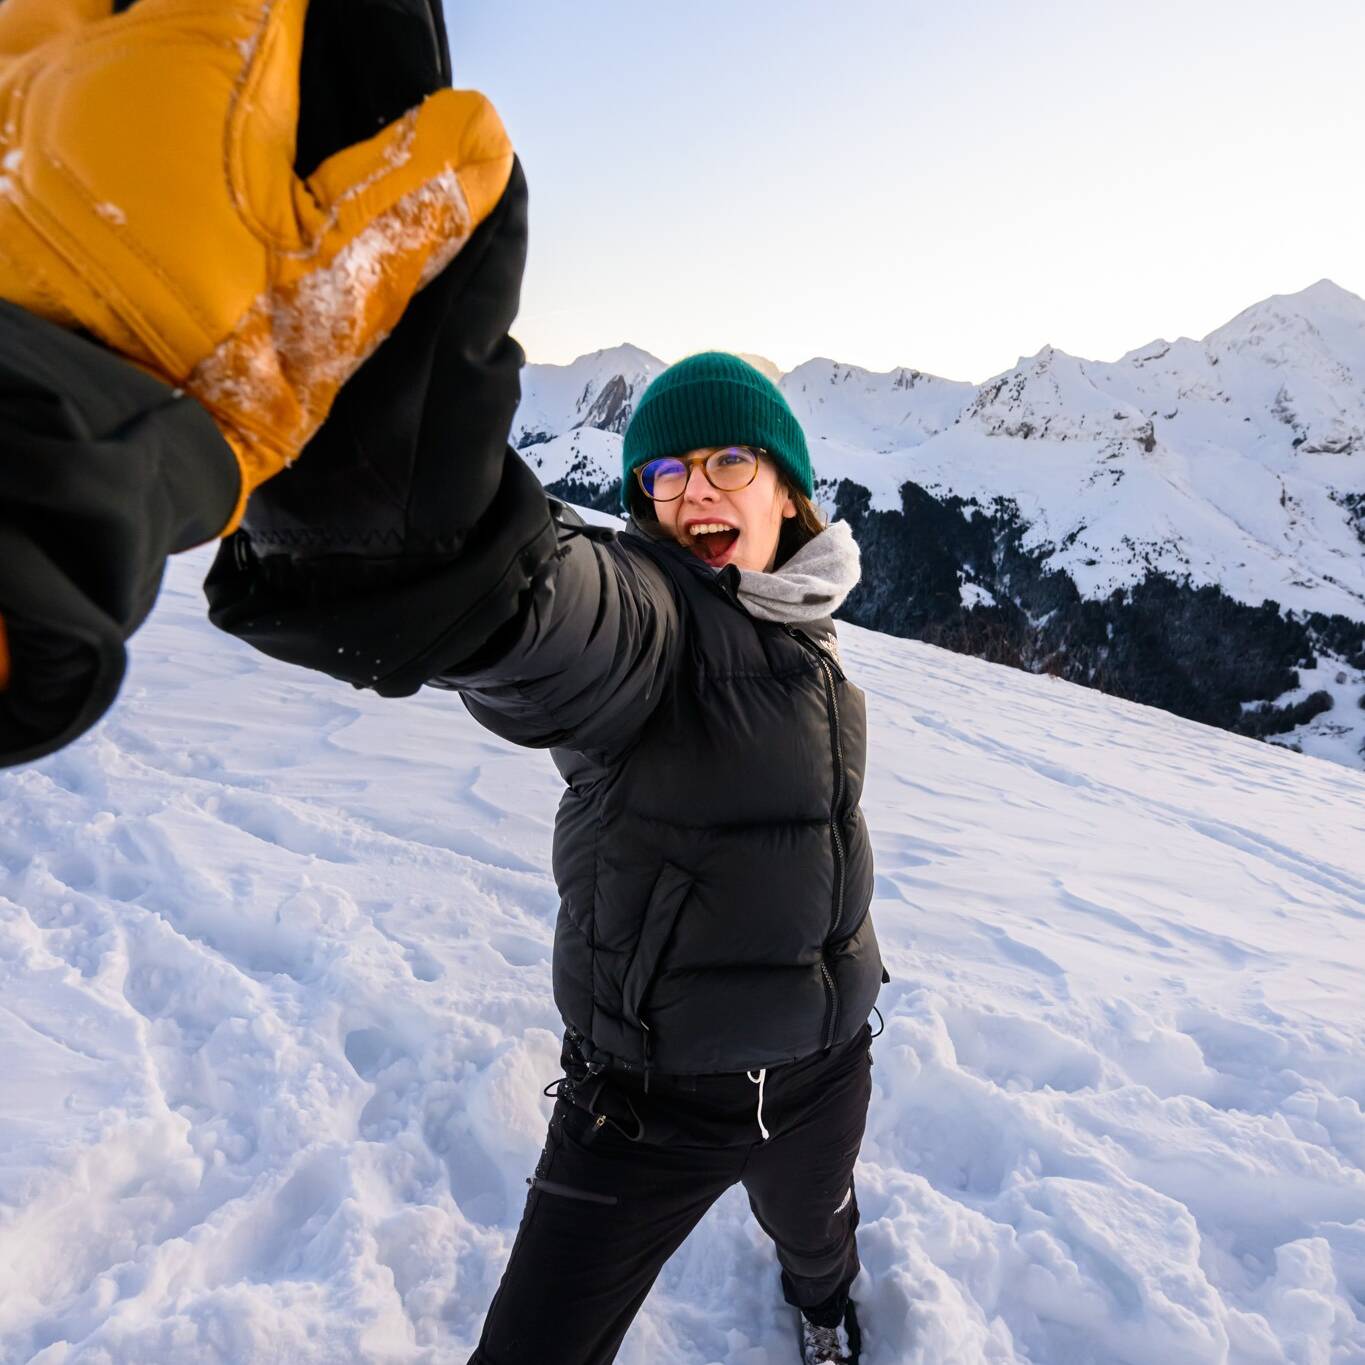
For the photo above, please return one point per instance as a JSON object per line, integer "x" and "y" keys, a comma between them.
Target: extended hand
{"x": 147, "y": 195}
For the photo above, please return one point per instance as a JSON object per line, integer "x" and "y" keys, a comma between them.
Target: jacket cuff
{"x": 389, "y": 624}
{"x": 104, "y": 471}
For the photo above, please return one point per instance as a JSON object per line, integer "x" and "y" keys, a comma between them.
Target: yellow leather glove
{"x": 147, "y": 195}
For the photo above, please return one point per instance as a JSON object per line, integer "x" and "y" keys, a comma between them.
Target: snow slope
{"x": 275, "y": 1017}
{"x": 582, "y": 456}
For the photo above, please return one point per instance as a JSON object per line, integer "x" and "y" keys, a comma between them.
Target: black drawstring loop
{"x": 881, "y": 1021}
{"x": 639, "y": 1132}
{"x": 567, "y": 1084}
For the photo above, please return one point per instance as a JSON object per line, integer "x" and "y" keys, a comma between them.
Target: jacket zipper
{"x": 836, "y": 834}
{"x": 728, "y": 581}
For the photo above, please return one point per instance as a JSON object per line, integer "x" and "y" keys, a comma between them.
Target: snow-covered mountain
{"x": 598, "y": 390}
{"x": 275, "y": 1019}
{"x": 1122, "y": 523}
{"x": 875, "y": 412}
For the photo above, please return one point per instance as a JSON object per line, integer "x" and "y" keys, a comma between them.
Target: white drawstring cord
{"x": 758, "y": 1081}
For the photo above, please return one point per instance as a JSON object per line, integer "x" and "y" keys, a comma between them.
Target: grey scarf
{"x": 812, "y": 584}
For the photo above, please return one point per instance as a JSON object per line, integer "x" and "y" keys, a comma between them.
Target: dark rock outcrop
{"x": 1193, "y": 651}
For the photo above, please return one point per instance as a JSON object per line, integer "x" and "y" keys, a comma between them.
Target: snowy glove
{"x": 148, "y": 196}
{"x": 412, "y": 453}
{"x": 407, "y": 533}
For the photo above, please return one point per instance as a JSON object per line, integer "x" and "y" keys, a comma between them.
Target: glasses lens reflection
{"x": 729, "y": 470}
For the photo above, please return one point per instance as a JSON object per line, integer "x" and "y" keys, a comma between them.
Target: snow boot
{"x": 841, "y": 1345}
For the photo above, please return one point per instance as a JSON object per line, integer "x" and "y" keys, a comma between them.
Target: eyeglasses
{"x": 728, "y": 469}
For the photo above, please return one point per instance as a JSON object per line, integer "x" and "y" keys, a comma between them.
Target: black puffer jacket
{"x": 713, "y": 863}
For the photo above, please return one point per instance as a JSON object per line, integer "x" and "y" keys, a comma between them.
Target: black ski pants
{"x": 605, "y": 1211}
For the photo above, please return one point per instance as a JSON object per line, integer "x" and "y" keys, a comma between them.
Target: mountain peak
{"x": 1327, "y": 293}
{"x": 625, "y": 354}
{"x": 622, "y": 358}
{"x": 1039, "y": 362}
{"x": 1323, "y": 303}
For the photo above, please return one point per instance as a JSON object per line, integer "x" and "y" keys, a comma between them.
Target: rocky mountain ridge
{"x": 1184, "y": 526}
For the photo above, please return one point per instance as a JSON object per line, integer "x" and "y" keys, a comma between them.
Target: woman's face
{"x": 721, "y": 528}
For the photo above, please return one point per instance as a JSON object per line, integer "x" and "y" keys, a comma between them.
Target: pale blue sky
{"x": 946, "y": 186}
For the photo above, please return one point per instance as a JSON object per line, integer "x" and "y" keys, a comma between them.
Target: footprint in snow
{"x": 274, "y": 822}
{"x": 371, "y": 1050}
{"x": 518, "y": 950}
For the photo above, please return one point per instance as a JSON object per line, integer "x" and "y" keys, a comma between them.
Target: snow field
{"x": 1118, "y": 1100}
{"x": 275, "y": 1016}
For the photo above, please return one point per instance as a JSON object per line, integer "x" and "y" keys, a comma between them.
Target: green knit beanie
{"x": 714, "y": 399}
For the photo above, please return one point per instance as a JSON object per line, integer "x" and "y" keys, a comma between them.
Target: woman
{"x": 714, "y": 960}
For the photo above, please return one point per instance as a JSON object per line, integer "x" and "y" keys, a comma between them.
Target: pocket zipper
{"x": 568, "y": 1191}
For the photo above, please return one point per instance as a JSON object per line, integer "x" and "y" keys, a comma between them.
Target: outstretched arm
{"x": 587, "y": 659}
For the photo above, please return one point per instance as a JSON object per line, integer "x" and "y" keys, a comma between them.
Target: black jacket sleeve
{"x": 587, "y": 659}
{"x": 104, "y": 471}
{"x": 389, "y": 623}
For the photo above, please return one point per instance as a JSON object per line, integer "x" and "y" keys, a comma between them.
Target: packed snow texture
{"x": 275, "y": 1017}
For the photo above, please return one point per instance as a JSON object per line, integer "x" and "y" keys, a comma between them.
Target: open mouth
{"x": 712, "y": 541}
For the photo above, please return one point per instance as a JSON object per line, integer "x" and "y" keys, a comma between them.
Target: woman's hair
{"x": 798, "y": 530}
